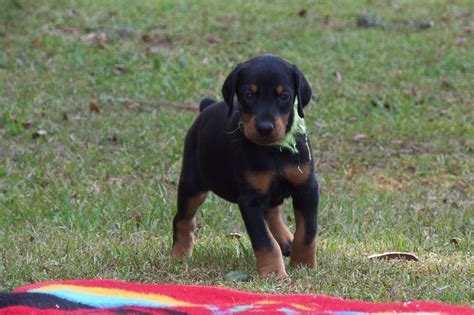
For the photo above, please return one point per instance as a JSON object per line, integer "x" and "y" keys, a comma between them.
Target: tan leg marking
{"x": 278, "y": 227}
{"x": 260, "y": 181}
{"x": 302, "y": 254}
{"x": 183, "y": 246}
{"x": 297, "y": 174}
{"x": 270, "y": 262}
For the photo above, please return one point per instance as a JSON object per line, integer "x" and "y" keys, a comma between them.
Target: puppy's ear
{"x": 303, "y": 90}
{"x": 230, "y": 88}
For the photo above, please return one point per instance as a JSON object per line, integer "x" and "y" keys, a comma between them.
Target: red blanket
{"x": 113, "y": 297}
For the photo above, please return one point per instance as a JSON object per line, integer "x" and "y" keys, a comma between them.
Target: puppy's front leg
{"x": 305, "y": 206}
{"x": 266, "y": 249}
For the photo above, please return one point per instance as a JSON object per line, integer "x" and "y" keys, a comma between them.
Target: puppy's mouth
{"x": 263, "y": 141}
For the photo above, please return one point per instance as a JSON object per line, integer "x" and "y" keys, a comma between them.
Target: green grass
{"x": 96, "y": 196}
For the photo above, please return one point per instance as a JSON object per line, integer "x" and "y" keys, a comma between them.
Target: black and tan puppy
{"x": 253, "y": 150}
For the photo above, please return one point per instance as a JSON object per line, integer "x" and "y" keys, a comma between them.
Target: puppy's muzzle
{"x": 265, "y": 128}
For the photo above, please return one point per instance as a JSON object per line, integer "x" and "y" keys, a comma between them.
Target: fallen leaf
{"x": 214, "y": 39}
{"x": 470, "y": 28}
{"x": 397, "y": 142}
{"x": 27, "y": 124}
{"x": 337, "y": 77}
{"x": 234, "y": 235}
{"x": 162, "y": 46}
{"x": 147, "y": 38}
{"x": 360, "y": 137}
{"x": 71, "y": 30}
{"x": 302, "y": 12}
{"x": 456, "y": 241}
{"x": 351, "y": 171}
{"x": 445, "y": 18}
{"x": 326, "y": 20}
{"x": 135, "y": 107}
{"x": 94, "y": 107}
{"x": 97, "y": 39}
{"x": 237, "y": 276}
{"x": 39, "y": 133}
{"x": 464, "y": 15}
{"x": 395, "y": 255}
{"x": 460, "y": 41}
{"x": 137, "y": 217}
{"x": 377, "y": 101}
{"x": 123, "y": 32}
{"x": 190, "y": 108}
{"x": 100, "y": 40}
{"x": 424, "y": 24}
{"x": 113, "y": 138}
{"x": 71, "y": 13}
{"x": 121, "y": 69}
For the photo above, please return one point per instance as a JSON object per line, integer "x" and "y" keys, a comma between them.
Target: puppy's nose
{"x": 265, "y": 128}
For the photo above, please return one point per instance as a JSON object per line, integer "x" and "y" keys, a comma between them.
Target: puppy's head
{"x": 266, "y": 88}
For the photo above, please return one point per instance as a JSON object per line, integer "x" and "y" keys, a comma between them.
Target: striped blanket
{"x": 113, "y": 297}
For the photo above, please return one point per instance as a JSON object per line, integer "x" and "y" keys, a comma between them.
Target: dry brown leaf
{"x": 360, "y": 137}
{"x": 397, "y": 142}
{"x": 326, "y": 20}
{"x": 303, "y": 12}
{"x": 94, "y": 107}
{"x": 190, "y": 108}
{"x": 351, "y": 171}
{"x": 214, "y": 39}
{"x": 121, "y": 69}
{"x": 460, "y": 41}
{"x": 39, "y": 133}
{"x": 395, "y": 255}
{"x": 470, "y": 28}
{"x": 137, "y": 218}
{"x": 135, "y": 107}
{"x": 162, "y": 46}
{"x": 98, "y": 39}
{"x": 456, "y": 241}
{"x": 411, "y": 169}
{"x": 147, "y": 38}
{"x": 234, "y": 235}
{"x": 27, "y": 124}
{"x": 464, "y": 15}
{"x": 71, "y": 30}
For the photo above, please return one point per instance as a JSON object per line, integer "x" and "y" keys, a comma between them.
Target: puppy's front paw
{"x": 303, "y": 255}
{"x": 270, "y": 263}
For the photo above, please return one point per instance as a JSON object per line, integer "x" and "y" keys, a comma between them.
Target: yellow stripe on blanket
{"x": 117, "y": 293}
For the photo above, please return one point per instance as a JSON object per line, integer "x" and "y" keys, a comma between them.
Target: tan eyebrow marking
{"x": 279, "y": 89}
{"x": 253, "y": 88}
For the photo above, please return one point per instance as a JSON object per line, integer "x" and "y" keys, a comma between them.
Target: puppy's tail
{"x": 206, "y": 102}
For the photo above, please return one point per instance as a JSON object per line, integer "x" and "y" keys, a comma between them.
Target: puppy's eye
{"x": 284, "y": 97}
{"x": 248, "y": 96}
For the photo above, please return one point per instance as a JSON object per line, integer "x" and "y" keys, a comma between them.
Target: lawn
{"x": 96, "y": 98}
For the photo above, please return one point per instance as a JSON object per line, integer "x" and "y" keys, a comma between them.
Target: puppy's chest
{"x": 282, "y": 177}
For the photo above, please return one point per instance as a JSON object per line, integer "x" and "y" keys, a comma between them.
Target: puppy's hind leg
{"x": 191, "y": 194}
